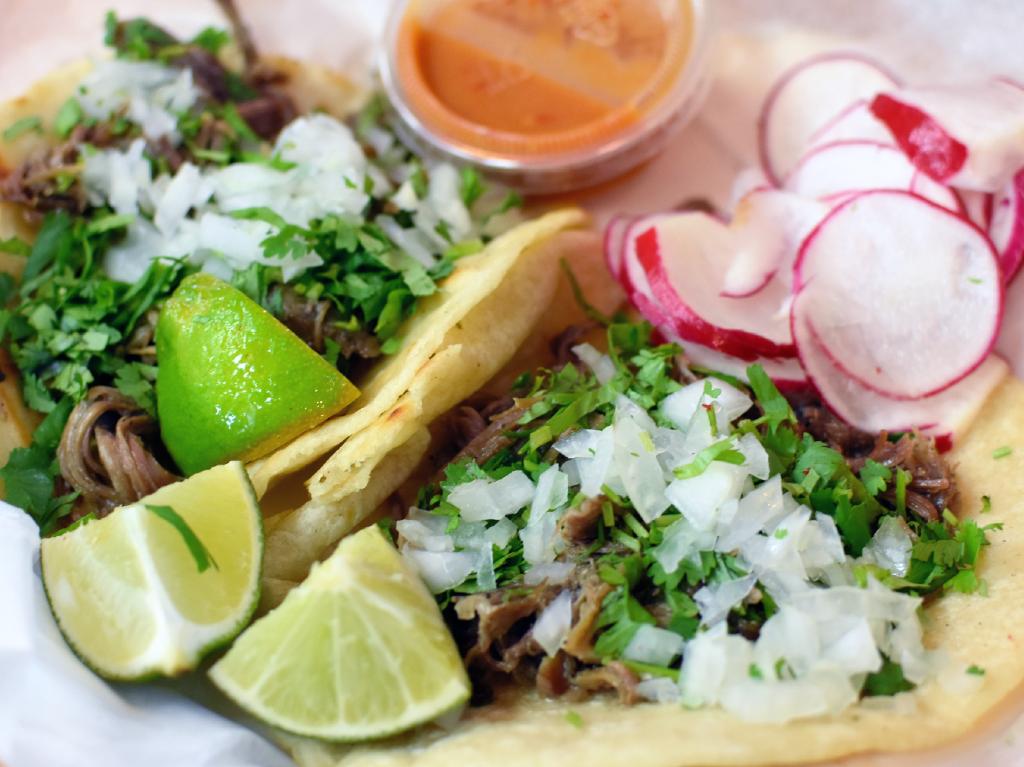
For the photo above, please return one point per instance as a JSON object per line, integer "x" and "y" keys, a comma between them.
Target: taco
{"x": 124, "y": 177}
{"x": 641, "y": 560}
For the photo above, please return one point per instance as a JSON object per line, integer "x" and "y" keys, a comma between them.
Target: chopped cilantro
{"x": 203, "y": 558}
{"x": 975, "y": 670}
{"x": 875, "y": 477}
{"x": 888, "y": 680}
{"x": 574, "y": 718}
{"x": 1002, "y": 452}
{"x": 31, "y": 124}
{"x": 471, "y": 188}
{"x": 722, "y": 450}
{"x": 68, "y": 116}
{"x": 754, "y": 671}
{"x": 986, "y": 504}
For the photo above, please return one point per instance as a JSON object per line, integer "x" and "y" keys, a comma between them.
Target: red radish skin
{"x": 948, "y": 412}
{"x": 854, "y": 123}
{"x": 1007, "y": 227}
{"x": 614, "y": 240}
{"x": 977, "y": 207}
{"x": 965, "y": 136}
{"x": 922, "y": 139}
{"x": 924, "y": 265}
{"x": 831, "y": 172}
{"x": 807, "y": 97}
{"x": 674, "y": 255}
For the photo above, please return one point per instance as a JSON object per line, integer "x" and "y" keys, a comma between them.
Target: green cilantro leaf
{"x": 203, "y": 558}
{"x": 20, "y": 127}
{"x": 68, "y": 116}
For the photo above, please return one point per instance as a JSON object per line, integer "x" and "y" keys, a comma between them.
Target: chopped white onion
{"x": 654, "y": 645}
{"x": 483, "y": 499}
{"x": 716, "y": 600}
{"x": 755, "y": 457}
{"x": 600, "y": 365}
{"x": 579, "y": 444}
{"x": 552, "y": 627}
{"x": 681, "y": 540}
{"x": 421, "y": 536}
{"x": 552, "y": 491}
{"x": 443, "y": 194}
{"x": 118, "y": 178}
{"x": 890, "y": 547}
{"x": 186, "y": 190}
{"x": 636, "y": 460}
{"x": 551, "y": 572}
{"x": 149, "y": 94}
{"x": 658, "y": 689}
{"x": 699, "y": 498}
{"x": 441, "y": 570}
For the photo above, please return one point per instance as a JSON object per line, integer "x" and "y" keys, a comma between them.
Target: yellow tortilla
{"x": 988, "y": 631}
{"x": 457, "y": 339}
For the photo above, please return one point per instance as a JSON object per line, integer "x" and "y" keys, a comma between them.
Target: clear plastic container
{"x": 547, "y": 95}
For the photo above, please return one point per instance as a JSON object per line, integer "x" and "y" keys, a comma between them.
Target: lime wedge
{"x": 152, "y": 587}
{"x": 358, "y": 651}
{"x": 232, "y": 381}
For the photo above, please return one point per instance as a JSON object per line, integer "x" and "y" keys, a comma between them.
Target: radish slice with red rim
{"x": 946, "y": 413}
{"x": 904, "y": 296}
{"x": 768, "y": 227}
{"x": 832, "y": 171}
{"x": 964, "y": 136}
{"x": 684, "y": 257}
{"x": 786, "y": 372}
{"x": 854, "y": 123}
{"x": 977, "y": 207}
{"x": 806, "y": 98}
{"x": 1007, "y": 226}
{"x": 614, "y": 240}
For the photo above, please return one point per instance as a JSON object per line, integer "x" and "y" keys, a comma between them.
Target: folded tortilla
{"x": 318, "y": 487}
{"x": 525, "y": 729}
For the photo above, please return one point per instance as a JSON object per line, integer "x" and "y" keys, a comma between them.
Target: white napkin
{"x": 54, "y": 712}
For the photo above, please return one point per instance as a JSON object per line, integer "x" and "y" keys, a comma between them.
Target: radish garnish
{"x": 946, "y": 413}
{"x": 807, "y": 98}
{"x": 767, "y": 230}
{"x": 966, "y": 136}
{"x": 614, "y": 240}
{"x": 684, "y": 257}
{"x": 786, "y": 372}
{"x": 833, "y": 171}
{"x": 1006, "y": 227}
{"x": 903, "y": 295}
{"x": 977, "y": 208}
{"x": 854, "y": 123}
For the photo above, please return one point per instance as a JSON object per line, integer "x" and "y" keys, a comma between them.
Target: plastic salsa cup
{"x": 547, "y": 95}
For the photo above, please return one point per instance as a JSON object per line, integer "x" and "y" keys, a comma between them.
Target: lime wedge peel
{"x": 358, "y": 651}
{"x": 126, "y": 590}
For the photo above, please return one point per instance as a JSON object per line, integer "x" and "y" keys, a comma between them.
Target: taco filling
{"x": 169, "y": 161}
{"x": 627, "y": 524}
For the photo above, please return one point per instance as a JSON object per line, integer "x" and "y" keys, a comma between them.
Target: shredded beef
{"x": 932, "y": 487}
{"x": 316, "y": 321}
{"x": 106, "y": 451}
{"x": 615, "y": 676}
{"x": 561, "y": 345}
{"x": 579, "y": 523}
{"x": 493, "y": 438}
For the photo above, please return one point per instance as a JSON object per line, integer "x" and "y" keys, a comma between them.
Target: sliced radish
{"x": 965, "y": 136}
{"x": 808, "y": 97}
{"x": 834, "y": 171}
{"x": 747, "y": 181}
{"x": 684, "y": 257}
{"x": 903, "y": 295}
{"x": 977, "y": 207}
{"x": 614, "y": 240}
{"x": 855, "y": 123}
{"x": 768, "y": 227}
{"x": 946, "y": 413}
{"x": 786, "y": 372}
{"x": 1007, "y": 226}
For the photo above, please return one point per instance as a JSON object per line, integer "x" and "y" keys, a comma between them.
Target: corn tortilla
{"x": 972, "y": 629}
